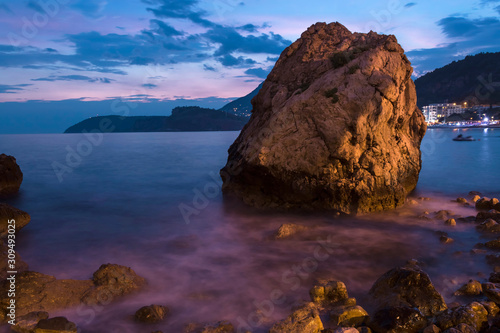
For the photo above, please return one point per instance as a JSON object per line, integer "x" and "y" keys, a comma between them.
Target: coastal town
{"x": 462, "y": 115}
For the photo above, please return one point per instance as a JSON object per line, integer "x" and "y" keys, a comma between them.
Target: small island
{"x": 183, "y": 119}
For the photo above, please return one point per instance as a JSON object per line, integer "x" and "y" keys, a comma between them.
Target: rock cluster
{"x": 335, "y": 126}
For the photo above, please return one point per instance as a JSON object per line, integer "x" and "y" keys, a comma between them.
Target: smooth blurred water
{"x": 121, "y": 205}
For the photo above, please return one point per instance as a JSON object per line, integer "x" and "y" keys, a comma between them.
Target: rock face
{"x": 335, "y": 126}
{"x": 303, "y": 320}
{"x": 410, "y": 287}
{"x": 11, "y": 176}
{"x": 40, "y": 292}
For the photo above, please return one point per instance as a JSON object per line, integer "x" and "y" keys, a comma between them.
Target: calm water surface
{"x": 120, "y": 204}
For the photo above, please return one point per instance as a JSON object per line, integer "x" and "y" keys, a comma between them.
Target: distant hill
{"x": 242, "y": 106}
{"x": 183, "y": 119}
{"x": 475, "y": 79}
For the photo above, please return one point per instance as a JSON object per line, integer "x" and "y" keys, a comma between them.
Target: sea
{"x": 152, "y": 201}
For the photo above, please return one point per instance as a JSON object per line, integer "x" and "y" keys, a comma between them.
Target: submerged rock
{"x": 305, "y": 319}
{"x": 398, "y": 320}
{"x": 151, "y": 313}
{"x": 335, "y": 126}
{"x": 28, "y": 322}
{"x": 40, "y": 292}
{"x": 7, "y": 213}
{"x": 288, "y": 230}
{"x": 219, "y": 327}
{"x": 55, "y": 325}
{"x": 408, "y": 286}
{"x": 11, "y": 176}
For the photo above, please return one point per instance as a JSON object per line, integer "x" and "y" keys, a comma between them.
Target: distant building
{"x": 434, "y": 112}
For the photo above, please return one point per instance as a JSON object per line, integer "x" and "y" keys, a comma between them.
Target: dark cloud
{"x": 209, "y": 68}
{"x": 90, "y": 8}
{"x": 149, "y": 85}
{"x": 49, "y": 49}
{"x": 12, "y": 89}
{"x": 165, "y": 29}
{"x": 272, "y": 59}
{"x": 475, "y": 35}
{"x": 185, "y": 9}
{"x": 249, "y": 28}
{"x": 142, "y": 61}
{"x": 410, "y": 4}
{"x": 258, "y": 72}
{"x": 497, "y": 8}
{"x": 230, "y": 61}
{"x": 35, "y": 6}
{"x": 462, "y": 26}
{"x": 231, "y": 41}
{"x": 53, "y": 78}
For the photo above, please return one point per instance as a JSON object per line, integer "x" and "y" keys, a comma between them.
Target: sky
{"x": 57, "y": 56}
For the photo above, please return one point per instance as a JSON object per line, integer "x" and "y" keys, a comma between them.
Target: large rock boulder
{"x": 410, "y": 287}
{"x": 11, "y": 176}
{"x": 334, "y": 126}
{"x": 18, "y": 264}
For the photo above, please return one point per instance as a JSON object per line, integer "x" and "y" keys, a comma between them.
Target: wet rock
{"x": 8, "y": 213}
{"x": 350, "y": 316}
{"x": 478, "y": 251}
{"x": 304, "y": 319}
{"x": 432, "y": 329}
{"x": 412, "y": 202}
{"x": 489, "y": 225}
{"x": 40, "y": 292}
{"x": 471, "y": 288}
{"x": 398, "y": 320}
{"x": 451, "y": 222}
{"x": 329, "y": 293}
{"x": 219, "y": 327}
{"x": 151, "y": 313}
{"x": 407, "y": 286}
{"x": 491, "y": 307}
{"x": 288, "y": 229}
{"x": 492, "y": 291}
{"x": 461, "y": 200}
{"x": 346, "y": 330}
{"x": 486, "y": 203}
{"x": 20, "y": 265}
{"x": 473, "y": 314}
{"x": 320, "y": 137}
{"x": 55, "y": 325}
{"x": 493, "y": 259}
{"x": 462, "y": 328}
{"x": 475, "y": 198}
{"x": 443, "y": 215}
{"x": 494, "y": 277}
{"x": 11, "y": 176}
{"x": 483, "y": 216}
{"x": 424, "y": 198}
{"x": 364, "y": 329}
{"x": 446, "y": 240}
{"x": 493, "y": 244}
{"x": 112, "y": 281}
{"x": 28, "y": 322}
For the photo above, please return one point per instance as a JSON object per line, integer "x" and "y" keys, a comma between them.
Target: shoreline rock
{"x": 7, "y": 213}
{"x": 41, "y": 292}
{"x": 11, "y": 176}
{"x": 335, "y": 126}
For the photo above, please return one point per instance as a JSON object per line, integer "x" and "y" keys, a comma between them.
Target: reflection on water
{"x": 121, "y": 205}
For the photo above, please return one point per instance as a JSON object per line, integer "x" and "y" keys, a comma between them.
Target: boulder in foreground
{"x": 335, "y": 126}
{"x": 11, "y": 176}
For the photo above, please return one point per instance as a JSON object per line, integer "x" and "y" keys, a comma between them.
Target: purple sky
{"x": 206, "y": 52}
